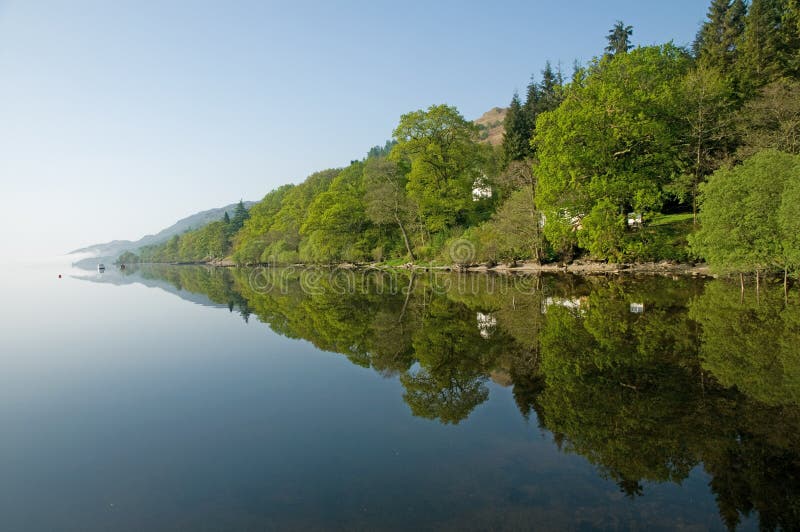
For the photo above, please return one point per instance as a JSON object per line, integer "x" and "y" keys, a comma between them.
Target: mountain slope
{"x": 115, "y": 247}
{"x": 491, "y": 126}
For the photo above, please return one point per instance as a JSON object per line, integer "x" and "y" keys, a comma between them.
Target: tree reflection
{"x": 646, "y": 378}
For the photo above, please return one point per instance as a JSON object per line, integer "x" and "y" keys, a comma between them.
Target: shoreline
{"x": 577, "y": 268}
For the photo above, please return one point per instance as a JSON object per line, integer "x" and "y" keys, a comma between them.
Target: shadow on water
{"x": 647, "y": 378}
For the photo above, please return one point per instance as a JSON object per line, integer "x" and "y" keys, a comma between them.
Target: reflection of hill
{"x": 646, "y": 378}
{"x": 134, "y": 275}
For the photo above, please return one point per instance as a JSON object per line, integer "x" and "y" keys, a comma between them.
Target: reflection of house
{"x": 486, "y": 324}
{"x": 637, "y": 308}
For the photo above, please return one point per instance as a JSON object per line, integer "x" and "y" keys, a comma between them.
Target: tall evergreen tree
{"x": 517, "y": 136}
{"x": 240, "y": 214}
{"x": 717, "y": 41}
{"x": 761, "y": 42}
{"x": 531, "y": 107}
{"x": 790, "y": 29}
{"x": 619, "y": 39}
{"x": 549, "y": 89}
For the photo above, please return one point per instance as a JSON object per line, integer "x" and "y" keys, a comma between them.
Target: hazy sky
{"x": 118, "y": 118}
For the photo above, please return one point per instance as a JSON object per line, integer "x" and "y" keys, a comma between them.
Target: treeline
{"x": 212, "y": 241}
{"x": 610, "y": 162}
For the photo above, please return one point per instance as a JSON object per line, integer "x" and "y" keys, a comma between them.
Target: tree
{"x": 517, "y": 135}
{"x": 716, "y": 44}
{"x": 789, "y": 222}
{"x": 619, "y": 39}
{"x": 549, "y": 89}
{"x": 771, "y": 120}
{"x": 514, "y": 231}
{"x": 761, "y": 43}
{"x": 240, "y": 215}
{"x": 616, "y": 137}
{"x": 707, "y": 100}
{"x": 385, "y": 198}
{"x": 739, "y": 206}
{"x": 603, "y": 231}
{"x": 442, "y": 151}
{"x": 335, "y": 226}
{"x": 226, "y": 219}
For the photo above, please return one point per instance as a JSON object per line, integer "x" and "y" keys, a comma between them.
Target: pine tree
{"x": 619, "y": 39}
{"x": 240, "y": 214}
{"x": 549, "y": 89}
{"x": 716, "y": 42}
{"x": 226, "y": 219}
{"x": 761, "y": 42}
{"x": 790, "y": 30}
{"x": 517, "y": 137}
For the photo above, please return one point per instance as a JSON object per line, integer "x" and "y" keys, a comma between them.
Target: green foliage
{"x": 336, "y": 226}
{"x": 441, "y": 149}
{"x": 762, "y": 43}
{"x": 614, "y": 138}
{"x": 127, "y": 257}
{"x": 517, "y": 136}
{"x": 619, "y": 38}
{"x": 603, "y": 231}
{"x": 717, "y": 42}
{"x": 513, "y": 232}
{"x": 740, "y": 215}
{"x": 636, "y": 130}
{"x": 752, "y": 343}
{"x": 771, "y": 120}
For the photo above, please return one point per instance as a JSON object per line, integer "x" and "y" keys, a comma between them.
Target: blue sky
{"x": 118, "y": 118}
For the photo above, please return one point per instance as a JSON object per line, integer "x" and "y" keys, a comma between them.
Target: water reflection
{"x": 647, "y": 378}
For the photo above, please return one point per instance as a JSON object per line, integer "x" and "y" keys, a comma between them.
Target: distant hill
{"x": 491, "y": 126}
{"x": 115, "y": 247}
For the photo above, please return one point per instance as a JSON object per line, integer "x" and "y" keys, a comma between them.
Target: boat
{"x": 101, "y": 267}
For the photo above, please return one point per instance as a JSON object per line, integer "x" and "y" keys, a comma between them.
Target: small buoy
{"x": 59, "y": 276}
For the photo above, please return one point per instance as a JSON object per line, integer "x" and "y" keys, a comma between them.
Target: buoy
{"x": 59, "y": 276}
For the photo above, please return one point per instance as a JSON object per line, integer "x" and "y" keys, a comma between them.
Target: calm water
{"x": 189, "y": 398}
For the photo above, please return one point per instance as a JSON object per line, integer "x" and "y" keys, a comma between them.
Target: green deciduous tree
{"x": 739, "y": 215}
{"x": 708, "y": 115}
{"x": 615, "y": 137}
{"x": 771, "y": 120}
{"x": 385, "y": 197}
{"x": 441, "y": 149}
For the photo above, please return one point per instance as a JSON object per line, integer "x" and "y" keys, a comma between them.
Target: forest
{"x": 645, "y": 153}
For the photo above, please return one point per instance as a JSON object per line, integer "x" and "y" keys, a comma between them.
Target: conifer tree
{"x": 240, "y": 214}
{"x": 716, "y": 42}
{"x": 761, "y": 42}
{"x": 619, "y": 39}
{"x": 549, "y": 89}
{"x": 517, "y": 136}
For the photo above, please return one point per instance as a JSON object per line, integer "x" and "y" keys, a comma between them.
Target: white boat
{"x": 101, "y": 268}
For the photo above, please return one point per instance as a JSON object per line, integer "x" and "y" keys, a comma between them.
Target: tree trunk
{"x": 696, "y": 179}
{"x": 405, "y": 237}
